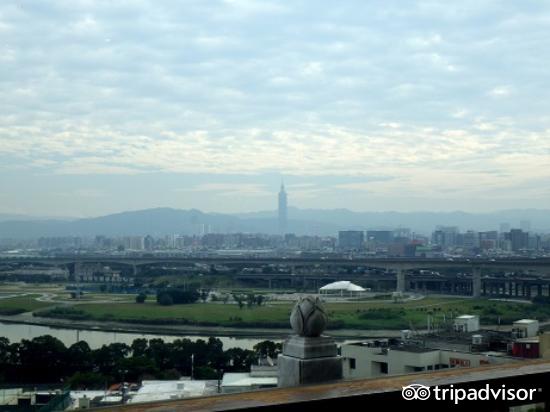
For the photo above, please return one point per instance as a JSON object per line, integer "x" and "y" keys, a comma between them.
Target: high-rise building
{"x": 383, "y": 237}
{"x": 282, "y": 210}
{"x": 518, "y": 238}
{"x": 351, "y": 239}
{"x": 446, "y": 236}
{"x": 148, "y": 242}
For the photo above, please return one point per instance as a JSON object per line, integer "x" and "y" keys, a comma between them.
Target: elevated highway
{"x": 479, "y": 276}
{"x": 541, "y": 264}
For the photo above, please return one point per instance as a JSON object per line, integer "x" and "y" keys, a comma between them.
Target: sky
{"x": 112, "y": 105}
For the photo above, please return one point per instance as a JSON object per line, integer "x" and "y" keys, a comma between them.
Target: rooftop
{"x": 413, "y": 348}
{"x": 525, "y": 321}
{"x": 332, "y": 394}
{"x": 161, "y": 390}
{"x": 246, "y": 379}
{"x": 465, "y": 317}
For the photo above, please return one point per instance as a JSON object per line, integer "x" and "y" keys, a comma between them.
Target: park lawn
{"x": 115, "y": 297}
{"x": 415, "y": 313}
{"x": 20, "y": 304}
{"x": 356, "y": 315}
{"x": 222, "y": 313}
{"x": 197, "y": 313}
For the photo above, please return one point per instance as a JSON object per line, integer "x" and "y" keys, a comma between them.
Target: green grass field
{"x": 355, "y": 315}
{"x": 20, "y": 304}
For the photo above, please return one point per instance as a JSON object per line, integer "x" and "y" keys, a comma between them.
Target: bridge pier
{"x": 400, "y": 280}
{"x": 476, "y": 283}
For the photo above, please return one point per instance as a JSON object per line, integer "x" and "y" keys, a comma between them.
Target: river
{"x": 15, "y": 332}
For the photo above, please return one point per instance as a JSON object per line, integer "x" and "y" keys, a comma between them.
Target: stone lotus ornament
{"x": 308, "y": 317}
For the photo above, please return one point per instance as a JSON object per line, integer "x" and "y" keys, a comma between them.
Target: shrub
{"x": 11, "y": 311}
{"x": 541, "y": 300}
{"x": 382, "y": 313}
{"x": 141, "y": 298}
{"x": 64, "y": 312}
{"x": 165, "y": 299}
{"x": 179, "y": 296}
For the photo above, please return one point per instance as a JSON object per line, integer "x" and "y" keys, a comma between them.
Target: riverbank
{"x": 184, "y": 330}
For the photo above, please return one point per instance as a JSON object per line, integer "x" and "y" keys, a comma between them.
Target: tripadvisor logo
{"x": 422, "y": 393}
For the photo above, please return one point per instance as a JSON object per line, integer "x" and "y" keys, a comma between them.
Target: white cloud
{"x": 500, "y": 91}
{"x": 460, "y": 113}
{"x": 231, "y": 189}
{"x": 425, "y": 41}
{"x": 419, "y": 94}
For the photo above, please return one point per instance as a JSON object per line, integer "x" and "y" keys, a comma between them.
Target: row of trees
{"x": 175, "y": 296}
{"x": 46, "y": 359}
{"x": 250, "y": 300}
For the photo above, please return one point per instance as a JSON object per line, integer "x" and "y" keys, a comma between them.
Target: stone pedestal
{"x": 307, "y": 360}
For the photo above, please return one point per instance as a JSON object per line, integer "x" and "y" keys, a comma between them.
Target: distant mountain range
{"x": 12, "y": 216}
{"x": 163, "y": 221}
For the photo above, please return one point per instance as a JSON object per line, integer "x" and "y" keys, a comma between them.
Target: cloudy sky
{"x": 371, "y": 105}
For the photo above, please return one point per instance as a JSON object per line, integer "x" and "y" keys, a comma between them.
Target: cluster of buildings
{"x": 506, "y": 240}
{"x": 463, "y": 345}
{"x": 400, "y": 242}
{"x": 177, "y": 244}
{"x": 261, "y": 376}
{"x": 444, "y": 241}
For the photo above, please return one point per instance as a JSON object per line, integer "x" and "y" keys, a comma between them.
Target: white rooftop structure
{"x": 79, "y": 394}
{"x": 239, "y": 382}
{"x": 466, "y": 323}
{"x": 526, "y": 322}
{"x": 162, "y": 390}
{"x": 342, "y": 286}
{"x": 525, "y": 328}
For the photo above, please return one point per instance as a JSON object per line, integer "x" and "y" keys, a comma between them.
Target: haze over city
{"x": 113, "y": 106}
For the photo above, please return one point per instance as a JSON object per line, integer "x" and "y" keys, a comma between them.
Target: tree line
{"x": 46, "y": 359}
{"x": 178, "y": 296}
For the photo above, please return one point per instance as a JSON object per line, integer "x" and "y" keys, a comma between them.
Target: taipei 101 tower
{"x": 282, "y": 210}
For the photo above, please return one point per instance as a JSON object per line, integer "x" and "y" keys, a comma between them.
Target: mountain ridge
{"x": 165, "y": 220}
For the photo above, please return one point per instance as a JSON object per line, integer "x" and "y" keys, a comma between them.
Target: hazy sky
{"x": 370, "y": 105}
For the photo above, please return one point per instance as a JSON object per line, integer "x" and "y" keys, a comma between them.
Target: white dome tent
{"x": 341, "y": 287}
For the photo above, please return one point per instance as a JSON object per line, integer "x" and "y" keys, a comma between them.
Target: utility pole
{"x": 192, "y": 364}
